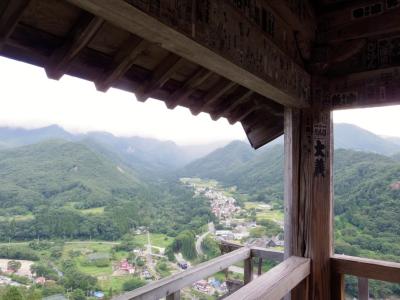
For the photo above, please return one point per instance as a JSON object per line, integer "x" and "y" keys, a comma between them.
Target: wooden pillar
{"x": 363, "y": 288}
{"x": 308, "y": 196}
{"x": 248, "y": 270}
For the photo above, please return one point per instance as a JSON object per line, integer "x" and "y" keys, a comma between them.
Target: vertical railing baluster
{"x": 174, "y": 296}
{"x": 363, "y": 289}
{"x": 248, "y": 270}
{"x": 259, "y": 269}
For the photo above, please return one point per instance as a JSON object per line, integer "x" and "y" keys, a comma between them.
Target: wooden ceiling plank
{"x": 234, "y": 101}
{"x": 212, "y": 96}
{"x": 123, "y": 61}
{"x": 10, "y": 18}
{"x": 83, "y": 32}
{"x": 198, "y": 77}
{"x": 160, "y": 76}
{"x": 200, "y": 50}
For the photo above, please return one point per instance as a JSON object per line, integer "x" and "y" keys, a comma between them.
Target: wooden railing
{"x": 274, "y": 284}
{"x": 364, "y": 269}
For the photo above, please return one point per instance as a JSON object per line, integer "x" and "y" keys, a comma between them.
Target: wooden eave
{"x": 243, "y": 63}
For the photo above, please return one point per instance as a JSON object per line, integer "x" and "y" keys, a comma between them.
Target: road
{"x": 201, "y": 238}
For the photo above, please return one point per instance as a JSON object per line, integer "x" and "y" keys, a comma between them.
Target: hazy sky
{"x": 28, "y": 99}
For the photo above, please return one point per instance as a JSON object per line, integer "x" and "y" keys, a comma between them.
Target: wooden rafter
{"x": 217, "y": 90}
{"x": 232, "y": 102}
{"x": 241, "y": 112}
{"x": 123, "y": 61}
{"x": 160, "y": 75}
{"x": 81, "y": 35}
{"x": 196, "y": 79}
{"x": 133, "y": 18}
{"x": 10, "y": 18}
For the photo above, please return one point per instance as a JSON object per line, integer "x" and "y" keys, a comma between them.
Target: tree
{"x": 78, "y": 294}
{"x": 133, "y": 284}
{"x": 12, "y": 293}
{"x": 13, "y": 265}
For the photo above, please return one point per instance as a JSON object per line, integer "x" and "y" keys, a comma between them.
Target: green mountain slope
{"x": 60, "y": 189}
{"x": 57, "y": 171}
{"x": 348, "y": 136}
{"x": 367, "y": 193}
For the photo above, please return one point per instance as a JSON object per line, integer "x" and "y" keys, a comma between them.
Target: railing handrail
{"x": 366, "y": 268}
{"x": 169, "y": 285}
{"x": 277, "y": 282}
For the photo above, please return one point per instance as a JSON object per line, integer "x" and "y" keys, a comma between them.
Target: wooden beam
{"x": 270, "y": 254}
{"x": 232, "y": 102}
{"x": 197, "y": 78}
{"x": 289, "y": 85}
{"x": 212, "y": 96}
{"x": 261, "y": 135}
{"x": 176, "y": 282}
{"x": 358, "y": 20}
{"x": 364, "y": 28}
{"x": 368, "y": 268}
{"x": 298, "y": 15}
{"x": 160, "y": 75}
{"x": 364, "y": 89}
{"x": 123, "y": 61}
{"x": 277, "y": 282}
{"x": 10, "y": 18}
{"x": 81, "y": 35}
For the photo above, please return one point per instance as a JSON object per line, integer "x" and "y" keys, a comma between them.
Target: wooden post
{"x": 363, "y": 289}
{"x": 259, "y": 268}
{"x": 337, "y": 286}
{"x": 308, "y": 196}
{"x": 248, "y": 270}
{"x": 174, "y": 296}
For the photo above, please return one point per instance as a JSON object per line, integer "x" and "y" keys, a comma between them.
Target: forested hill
{"x": 366, "y": 185}
{"x": 154, "y": 156}
{"x": 57, "y": 171}
{"x": 56, "y": 189}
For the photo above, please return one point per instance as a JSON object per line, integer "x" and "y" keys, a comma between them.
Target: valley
{"x": 117, "y": 213}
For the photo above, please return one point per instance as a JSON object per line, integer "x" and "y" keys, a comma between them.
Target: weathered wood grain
{"x": 83, "y": 33}
{"x": 269, "y": 72}
{"x": 176, "y": 282}
{"x": 277, "y": 282}
{"x": 368, "y": 268}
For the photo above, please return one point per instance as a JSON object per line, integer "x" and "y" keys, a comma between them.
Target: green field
{"x": 157, "y": 239}
{"x": 264, "y": 212}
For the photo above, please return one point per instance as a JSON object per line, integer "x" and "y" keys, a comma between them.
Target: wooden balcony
{"x": 274, "y": 284}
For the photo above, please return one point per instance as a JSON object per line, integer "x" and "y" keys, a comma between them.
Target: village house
{"x": 123, "y": 268}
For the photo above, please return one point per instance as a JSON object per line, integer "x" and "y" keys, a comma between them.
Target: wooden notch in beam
{"x": 212, "y": 96}
{"x": 83, "y": 32}
{"x": 10, "y": 18}
{"x": 199, "y": 50}
{"x": 123, "y": 61}
{"x": 368, "y": 268}
{"x": 160, "y": 76}
{"x": 169, "y": 285}
{"x": 277, "y": 282}
{"x": 197, "y": 78}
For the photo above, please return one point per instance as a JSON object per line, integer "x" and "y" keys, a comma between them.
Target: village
{"x": 113, "y": 264}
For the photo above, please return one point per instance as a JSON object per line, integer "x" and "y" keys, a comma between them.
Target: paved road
{"x": 201, "y": 238}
